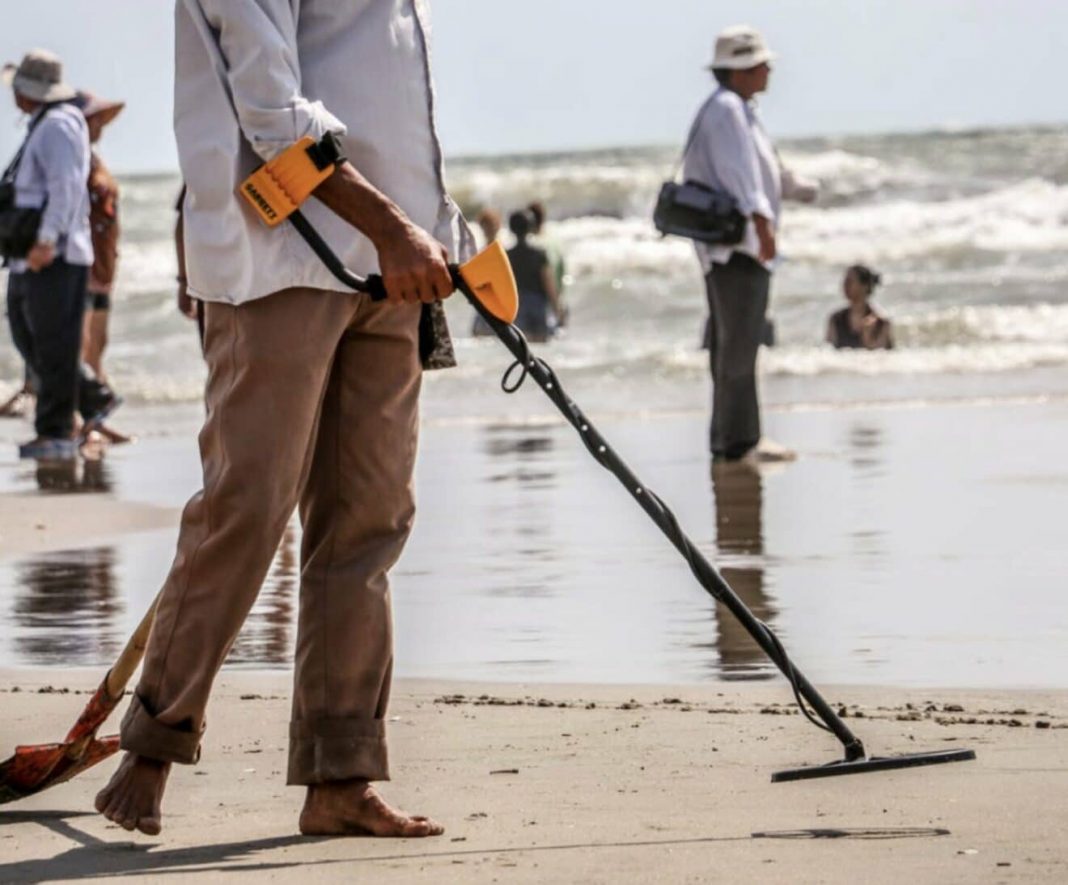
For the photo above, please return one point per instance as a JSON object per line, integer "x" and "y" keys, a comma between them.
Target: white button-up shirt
{"x": 254, "y": 76}
{"x": 54, "y": 173}
{"x": 730, "y": 151}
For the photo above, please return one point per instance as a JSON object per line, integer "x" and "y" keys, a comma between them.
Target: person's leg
{"x": 54, "y": 302}
{"x": 531, "y": 319}
{"x": 96, "y": 399}
{"x": 356, "y": 510}
{"x": 23, "y": 341}
{"x": 265, "y": 386}
{"x": 710, "y": 345}
{"x": 741, "y": 301}
{"x": 95, "y": 333}
{"x": 17, "y": 320}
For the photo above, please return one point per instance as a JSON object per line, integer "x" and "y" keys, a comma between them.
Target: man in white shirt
{"x": 312, "y": 392}
{"x": 729, "y": 150}
{"x": 46, "y": 287}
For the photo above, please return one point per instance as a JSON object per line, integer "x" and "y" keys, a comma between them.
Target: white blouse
{"x": 730, "y": 151}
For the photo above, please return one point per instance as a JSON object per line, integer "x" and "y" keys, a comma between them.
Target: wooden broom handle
{"x": 126, "y": 665}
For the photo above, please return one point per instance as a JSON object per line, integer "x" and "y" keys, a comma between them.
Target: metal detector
{"x": 488, "y": 284}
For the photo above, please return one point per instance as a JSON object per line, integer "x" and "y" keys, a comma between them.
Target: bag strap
{"x": 694, "y": 127}
{"x": 13, "y": 167}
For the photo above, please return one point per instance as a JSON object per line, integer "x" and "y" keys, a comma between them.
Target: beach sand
{"x": 583, "y": 784}
{"x": 909, "y": 548}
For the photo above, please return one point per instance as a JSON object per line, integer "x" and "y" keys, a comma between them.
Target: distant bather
{"x": 860, "y": 325}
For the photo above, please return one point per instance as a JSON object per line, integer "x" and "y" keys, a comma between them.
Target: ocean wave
{"x": 813, "y": 360}
{"x": 1030, "y": 216}
{"x": 964, "y": 324}
{"x": 844, "y": 176}
{"x": 625, "y": 186}
{"x": 952, "y": 359}
{"x": 569, "y": 190}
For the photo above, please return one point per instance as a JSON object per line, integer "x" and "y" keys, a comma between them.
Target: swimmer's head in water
{"x": 859, "y": 282}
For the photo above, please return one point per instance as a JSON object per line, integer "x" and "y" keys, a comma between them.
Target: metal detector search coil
{"x": 278, "y": 188}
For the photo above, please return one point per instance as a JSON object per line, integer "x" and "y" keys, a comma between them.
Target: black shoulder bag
{"x": 697, "y": 211}
{"x": 18, "y": 226}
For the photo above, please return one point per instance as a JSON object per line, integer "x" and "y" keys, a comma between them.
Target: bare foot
{"x": 115, "y": 437}
{"x": 354, "y": 808}
{"x": 133, "y": 795}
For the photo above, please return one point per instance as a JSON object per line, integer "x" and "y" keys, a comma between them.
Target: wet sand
{"x": 585, "y": 783}
{"x": 907, "y": 546}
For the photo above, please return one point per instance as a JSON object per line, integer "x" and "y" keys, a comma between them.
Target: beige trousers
{"x": 312, "y": 400}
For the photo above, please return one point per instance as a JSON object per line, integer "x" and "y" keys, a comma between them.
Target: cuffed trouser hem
{"x": 337, "y": 750}
{"x": 144, "y": 735}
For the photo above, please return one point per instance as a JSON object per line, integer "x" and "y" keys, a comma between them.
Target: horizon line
{"x": 466, "y": 157}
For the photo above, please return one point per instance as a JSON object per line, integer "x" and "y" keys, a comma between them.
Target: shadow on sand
{"x": 96, "y": 859}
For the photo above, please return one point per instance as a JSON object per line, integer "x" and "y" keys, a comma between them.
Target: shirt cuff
{"x": 48, "y": 232}
{"x": 309, "y": 118}
{"x": 756, "y": 204}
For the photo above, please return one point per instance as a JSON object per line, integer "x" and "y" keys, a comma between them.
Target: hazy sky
{"x": 545, "y": 74}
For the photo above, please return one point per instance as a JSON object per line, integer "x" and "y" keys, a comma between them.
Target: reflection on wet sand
{"x": 865, "y": 444}
{"x": 78, "y": 475}
{"x": 524, "y": 451}
{"x": 522, "y": 457}
{"x": 739, "y": 500}
{"x": 866, "y": 457}
{"x": 67, "y": 609}
{"x": 267, "y": 636}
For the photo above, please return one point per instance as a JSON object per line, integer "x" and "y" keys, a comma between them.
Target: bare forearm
{"x": 765, "y": 236}
{"x": 354, "y": 198}
{"x": 413, "y": 263}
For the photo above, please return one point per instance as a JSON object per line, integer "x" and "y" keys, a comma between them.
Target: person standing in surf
{"x": 539, "y": 302}
{"x": 729, "y": 150}
{"x": 312, "y": 392}
{"x": 104, "y": 227}
{"x": 556, "y": 257}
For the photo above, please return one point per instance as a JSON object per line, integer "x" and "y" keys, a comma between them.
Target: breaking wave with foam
{"x": 970, "y": 232}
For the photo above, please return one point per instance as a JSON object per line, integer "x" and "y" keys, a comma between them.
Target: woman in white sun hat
{"x": 730, "y": 151}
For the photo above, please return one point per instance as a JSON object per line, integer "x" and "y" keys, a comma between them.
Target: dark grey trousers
{"x": 737, "y": 303}
{"x": 45, "y": 312}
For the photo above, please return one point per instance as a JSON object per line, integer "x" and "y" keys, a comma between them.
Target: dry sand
{"x": 582, "y": 784}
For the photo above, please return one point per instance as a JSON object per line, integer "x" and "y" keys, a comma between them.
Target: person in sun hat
{"x": 729, "y": 150}
{"x": 49, "y": 271}
{"x": 104, "y": 226}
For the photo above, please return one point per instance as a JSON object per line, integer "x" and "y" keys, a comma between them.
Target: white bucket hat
{"x": 38, "y": 77}
{"x": 740, "y": 47}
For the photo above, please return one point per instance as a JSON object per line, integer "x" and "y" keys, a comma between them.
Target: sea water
{"x": 884, "y": 556}
{"x": 969, "y": 230}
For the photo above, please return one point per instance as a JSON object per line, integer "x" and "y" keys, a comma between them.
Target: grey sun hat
{"x": 38, "y": 77}
{"x": 740, "y": 47}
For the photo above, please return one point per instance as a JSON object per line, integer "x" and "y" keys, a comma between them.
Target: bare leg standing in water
{"x": 104, "y": 222}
